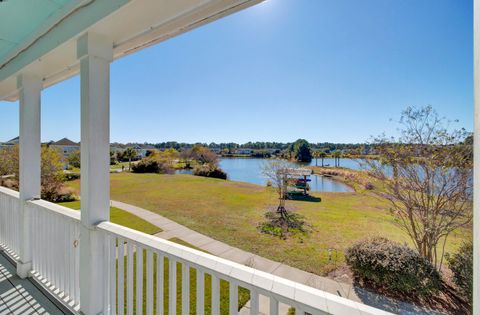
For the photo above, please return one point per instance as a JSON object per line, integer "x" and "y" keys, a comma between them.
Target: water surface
{"x": 249, "y": 170}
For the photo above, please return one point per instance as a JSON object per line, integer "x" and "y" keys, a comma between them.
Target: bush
{"x": 71, "y": 176}
{"x": 150, "y": 165}
{"x": 208, "y": 171}
{"x": 392, "y": 266}
{"x": 461, "y": 264}
{"x": 369, "y": 186}
{"x": 60, "y": 194}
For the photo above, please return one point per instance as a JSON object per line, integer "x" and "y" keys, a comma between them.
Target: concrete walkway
{"x": 172, "y": 229}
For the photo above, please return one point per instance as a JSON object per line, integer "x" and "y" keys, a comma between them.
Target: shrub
{"x": 392, "y": 266}
{"x": 150, "y": 165}
{"x": 369, "y": 186}
{"x": 60, "y": 194}
{"x": 461, "y": 264}
{"x": 71, "y": 176}
{"x": 208, "y": 171}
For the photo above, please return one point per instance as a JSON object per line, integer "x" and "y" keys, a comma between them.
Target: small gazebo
{"x": 301, "y": 175}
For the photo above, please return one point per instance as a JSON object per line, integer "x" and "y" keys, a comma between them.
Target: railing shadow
{"x": 20, "y": 296}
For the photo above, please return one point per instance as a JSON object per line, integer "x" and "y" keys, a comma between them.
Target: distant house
{"x": 244, "y": 151}
{"x": 143, "y": 149}
{"x": 66, "y": 146}
{"x": 10, "y": 143}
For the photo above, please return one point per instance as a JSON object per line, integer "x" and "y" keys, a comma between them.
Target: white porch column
{"x": 29, "y": 174}
{"x": 476, "y": 160}
{"x": 95, "y": 54}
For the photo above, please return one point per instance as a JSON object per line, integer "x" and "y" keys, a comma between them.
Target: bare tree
{"x": 427, "y": 177}
{"x": 277, "y": 173}
{"x": 282, "y": 222}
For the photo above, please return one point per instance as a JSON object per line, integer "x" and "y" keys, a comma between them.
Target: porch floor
{"x": 21, "y": 296}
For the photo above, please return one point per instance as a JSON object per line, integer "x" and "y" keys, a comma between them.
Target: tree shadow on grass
{"x": 307, "y": 198}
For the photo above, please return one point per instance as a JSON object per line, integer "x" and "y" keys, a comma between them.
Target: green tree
{"x": 302, "y": 151}
{"x": 8, "y": 161}
{"x": 113, "y": 158}
{"x": 73, "y": 159}
{"x": 51, "y": 173}
{"x": 51, "y": 170}
{"x": 130, "y": 153}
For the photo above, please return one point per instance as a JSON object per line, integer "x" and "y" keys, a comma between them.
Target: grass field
{"x": 230, "y": 212}
{"x": 121, "y": 217}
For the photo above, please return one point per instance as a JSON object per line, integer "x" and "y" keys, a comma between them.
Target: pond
{"x": 348, "y": 163}
{"x": 250, "y": 170}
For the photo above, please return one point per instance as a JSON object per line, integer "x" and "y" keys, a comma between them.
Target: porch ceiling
{"x": 39, "y": 37}
{"x": 20, "y": 19}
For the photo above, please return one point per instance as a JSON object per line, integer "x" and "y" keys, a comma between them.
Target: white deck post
{"x": 29, "y": 174}
{"x": 95, "y": 54}
{"x": 476, "y": 161}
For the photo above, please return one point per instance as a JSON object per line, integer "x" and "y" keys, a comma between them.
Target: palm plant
{"x": 337, "y": 155}
{"x": 130, "y": 153}
{"x": 322, "y": 155}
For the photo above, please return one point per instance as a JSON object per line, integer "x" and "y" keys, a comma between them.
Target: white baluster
{"x": 160, "y": 284}
{"x": 113, "y": 275}
{"x": 172, "y": 286}
{"x": 70, "y": 261}
{"x": 185, "y": 289}
{"x": 254, "y": 302}
{"x": 139, "y": 280}
{"x": 129, "y": 278}
{"x": 233, "y": 298}
{"x": 121, "y": 272}
{"x": 149, "y": 282}
{"x": 273, "y": 306}
{"x": 77, "y": 263}
{"x": 200, "y": 292}
{"x": 215, "y": 295}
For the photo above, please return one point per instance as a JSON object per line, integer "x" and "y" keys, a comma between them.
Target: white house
{"x": 244, "y": 151}
{"x": 65, "y": 146}
{"x": 10, "y": 143}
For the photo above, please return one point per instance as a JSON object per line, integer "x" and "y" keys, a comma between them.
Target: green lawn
{"x": 230, "y": 212}
{"x": 121, "y": 217}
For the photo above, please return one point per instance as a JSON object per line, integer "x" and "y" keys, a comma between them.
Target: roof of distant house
{"x": 65, "y": 142}
{"x": 15, "y": 140}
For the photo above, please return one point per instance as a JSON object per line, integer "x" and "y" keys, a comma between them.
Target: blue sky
{"x": 322, "y": 70}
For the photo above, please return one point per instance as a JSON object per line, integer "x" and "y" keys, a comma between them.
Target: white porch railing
{"x": 141, "y": 271}
{"x": 9, "y": 221}
{"x": 55, "y": 251}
